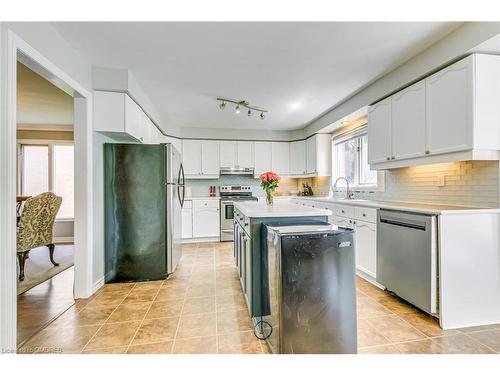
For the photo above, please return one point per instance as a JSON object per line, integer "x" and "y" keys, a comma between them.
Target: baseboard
{"x": 98, "y": 285}
{"x": 201, "y": 239}
{"x": 366, "y": 276}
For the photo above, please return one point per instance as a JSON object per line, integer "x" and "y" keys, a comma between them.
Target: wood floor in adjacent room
{"x": 41, "y": 304}
{"x": 202, "y": 310}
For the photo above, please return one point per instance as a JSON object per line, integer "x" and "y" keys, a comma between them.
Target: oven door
{"x": 226, "y": 221}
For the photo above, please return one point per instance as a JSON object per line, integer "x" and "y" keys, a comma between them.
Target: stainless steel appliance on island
{"x": 143, "y": 197}
{"x": 312, "y": 290}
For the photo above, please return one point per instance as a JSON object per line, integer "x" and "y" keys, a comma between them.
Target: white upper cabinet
{"x": 408, "y": 122}
{"x": 133, "y": 118}
{"x": 452, "y": 115}
{"x": 319, "y": 155}
{"x": 450, "y": 108}
{"x": 379, "y": 132}
{"x": 150, "y": 133}
{"x": 200, "y": 158}
{"x": 236, "y": 154}
{"x": 244, "y": 153}
{"x": 262, "y": 157}
{"x": 210, "y": 159}
{"x": 280, "y": 158}
{"x": 117, "y": 115}
{"x": 191, "y": 157}
{"x": 227, "y": 154}
{"x": 298, "y": 158}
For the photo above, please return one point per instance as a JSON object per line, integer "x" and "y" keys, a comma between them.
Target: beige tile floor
{"x": 201, "y": 310}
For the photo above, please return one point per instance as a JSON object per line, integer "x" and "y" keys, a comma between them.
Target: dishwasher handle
{"x": 403, "y": 224}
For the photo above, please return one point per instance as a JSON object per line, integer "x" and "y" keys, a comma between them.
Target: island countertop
{"x": 278, "y": 209}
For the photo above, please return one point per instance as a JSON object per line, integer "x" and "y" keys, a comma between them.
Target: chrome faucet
{"x": 349, "y": 193}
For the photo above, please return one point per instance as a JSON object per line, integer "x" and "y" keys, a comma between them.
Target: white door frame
{"x": 83, "y": 180}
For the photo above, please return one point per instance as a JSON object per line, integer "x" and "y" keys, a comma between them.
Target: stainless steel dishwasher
{"x": 407, "y": 257}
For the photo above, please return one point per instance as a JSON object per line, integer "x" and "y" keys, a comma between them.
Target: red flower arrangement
{"x": 269, "y": 182}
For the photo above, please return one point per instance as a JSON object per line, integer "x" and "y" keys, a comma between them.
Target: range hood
{"x": 236, "y": 170}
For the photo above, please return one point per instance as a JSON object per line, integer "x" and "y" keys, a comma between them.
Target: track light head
{"x": 262, "y": 116}
{"x": 237, "y": 110}
{"x": 222, "y": 105}
{"x": 249, "y": 113}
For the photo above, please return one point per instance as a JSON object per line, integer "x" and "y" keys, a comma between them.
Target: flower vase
{"x": 269, "y": 197}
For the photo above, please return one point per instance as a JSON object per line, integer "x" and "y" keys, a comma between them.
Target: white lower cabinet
{"x": 187, "y": 220}
{"x": 206, "y": 219}
{"x": 366, "y": 247}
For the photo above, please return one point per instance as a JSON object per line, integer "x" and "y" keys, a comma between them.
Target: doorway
{"x": 45, "y": 165}
{"x": 18, "y": 51}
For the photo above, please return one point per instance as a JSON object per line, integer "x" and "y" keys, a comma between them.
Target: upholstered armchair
{"x": 36, "y": 227}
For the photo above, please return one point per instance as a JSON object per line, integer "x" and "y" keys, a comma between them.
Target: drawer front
{"x": 343, "y": 210}
{"x": 209, "y": 203}
{"x": 188, "y": 204}
{"x": 366, "y": 214}
{"x": 343, "y": 222}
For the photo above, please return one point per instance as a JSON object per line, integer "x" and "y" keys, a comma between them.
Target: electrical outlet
{"x": 440, "y": 180}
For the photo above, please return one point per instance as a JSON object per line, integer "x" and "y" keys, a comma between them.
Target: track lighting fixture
{"x": 242, "y": 103}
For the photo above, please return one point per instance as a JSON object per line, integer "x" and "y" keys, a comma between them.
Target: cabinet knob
{"x": 393, "y": 157}
{"x": 364, "y": 215}
{"x": 388, "y": 158}
{"x": 427, "y": 152}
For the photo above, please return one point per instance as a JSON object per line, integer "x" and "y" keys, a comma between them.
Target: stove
{"x": 228, "y": 195}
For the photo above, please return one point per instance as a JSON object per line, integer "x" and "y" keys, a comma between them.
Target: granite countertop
{"x": 278, "y": 209}
{"x": 426, "y": 208}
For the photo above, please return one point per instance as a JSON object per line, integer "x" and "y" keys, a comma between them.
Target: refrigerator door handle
{"x": 181, "y": 184}
{"x": 181, "y": 200}
{"x": 181, "y": 173}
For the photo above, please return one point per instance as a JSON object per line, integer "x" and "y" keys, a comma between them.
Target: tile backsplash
{"x": 467, "y": 183}
{"x": 200, "y": 187}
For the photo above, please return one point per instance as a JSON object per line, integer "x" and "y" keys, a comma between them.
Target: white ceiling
{"x": 40, "y": 103}
{"x": 295, "y": 70}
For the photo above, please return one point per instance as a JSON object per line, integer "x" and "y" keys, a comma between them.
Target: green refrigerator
{"x": 143, "y": 198}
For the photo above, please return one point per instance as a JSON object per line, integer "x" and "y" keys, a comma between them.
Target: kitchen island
{"x": 250, "y": 240}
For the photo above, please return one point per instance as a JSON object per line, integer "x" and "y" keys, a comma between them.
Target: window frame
{"x": 41, "y": 142}
{"x": 345, "y": 136}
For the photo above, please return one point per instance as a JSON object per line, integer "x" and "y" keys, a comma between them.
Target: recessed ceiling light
{"x": 296, "y": 105}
